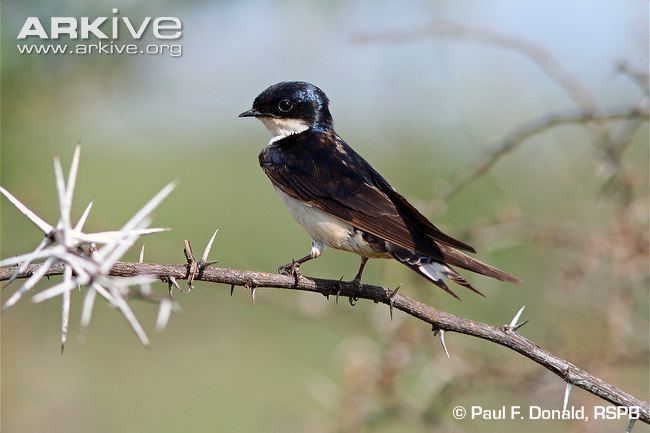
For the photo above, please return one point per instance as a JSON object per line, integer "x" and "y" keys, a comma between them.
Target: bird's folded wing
{"x": 351, "y": 193}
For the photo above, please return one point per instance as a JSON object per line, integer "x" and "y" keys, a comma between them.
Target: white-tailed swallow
{"x": 341, "y": 201}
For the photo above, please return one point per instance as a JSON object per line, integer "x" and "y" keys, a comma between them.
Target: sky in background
{"x": 233, "y": 50}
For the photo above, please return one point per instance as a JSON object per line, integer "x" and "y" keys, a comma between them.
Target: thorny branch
{"x": 504, "y": 335}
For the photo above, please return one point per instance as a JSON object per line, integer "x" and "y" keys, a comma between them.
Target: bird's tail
{"x": 438, "y": 271}
{"x": 456, "y": 258}
{"x": 433, "y": 271}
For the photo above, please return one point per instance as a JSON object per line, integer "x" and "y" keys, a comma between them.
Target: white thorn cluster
{"x": 84, "y": 264}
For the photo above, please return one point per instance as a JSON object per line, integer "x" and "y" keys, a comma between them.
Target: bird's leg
{"x": 357, "y": 278}
{"x": 293, "y": 268}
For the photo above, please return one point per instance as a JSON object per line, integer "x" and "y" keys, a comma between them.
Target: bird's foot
{"x": 357, "y": 285}
{"x": 291, "y": 269}
{"x": 339, "y": 288}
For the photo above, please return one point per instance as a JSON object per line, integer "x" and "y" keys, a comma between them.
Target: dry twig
{"x": 538, "y": 126}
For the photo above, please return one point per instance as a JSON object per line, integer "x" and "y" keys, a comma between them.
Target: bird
{"x": 342, "y": 201}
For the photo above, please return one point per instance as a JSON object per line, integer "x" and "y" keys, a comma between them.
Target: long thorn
{"x": 174, "y": 283}
{"x": 515, "y": 319}
{"x": 64, "y": 206}
{"x": 164, "y": 313}
{"x": 45, "y": 227}
{"x": 53, "y": 291}
{"x": 87, "y": 310}
{"x": 84, "y": 216}
{"x": 630, "y": 425}
{"x": 72, "y": 176}
{"x": 24, "y": 265}
{"x": 129, "y": 316}
{"x": 441, "y": 336}
{"x": 567, "y": 392}
{"x": 208, "y": 247}
{"x": 391, "y": 296}
{"x": 141, "y": 257}
{"x": 65, "y": 310}
{"x": 31, "y": 282}
{"x": 148, "y": 207}
{"x": 34, "y": 255}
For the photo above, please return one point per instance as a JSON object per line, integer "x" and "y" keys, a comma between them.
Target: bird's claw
{"x": 339, "y": 288}
{"x": 357, "y": 285}
{"x": 291, "y": 269}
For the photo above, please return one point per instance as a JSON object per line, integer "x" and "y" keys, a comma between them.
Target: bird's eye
{"x": 285, "y": 105}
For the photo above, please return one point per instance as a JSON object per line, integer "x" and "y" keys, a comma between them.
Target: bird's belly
{"x": 328, "y": 229}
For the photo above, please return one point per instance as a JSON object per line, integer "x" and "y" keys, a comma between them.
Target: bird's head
{"x": 291, "y": 107}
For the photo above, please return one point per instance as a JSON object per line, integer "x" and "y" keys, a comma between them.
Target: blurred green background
{"x": 423, "y": 112}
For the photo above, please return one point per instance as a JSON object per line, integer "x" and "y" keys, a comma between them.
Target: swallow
{"x": 342, "y": 201}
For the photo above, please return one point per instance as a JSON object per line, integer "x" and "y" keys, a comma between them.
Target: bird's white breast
{"x": 327, "y": 229}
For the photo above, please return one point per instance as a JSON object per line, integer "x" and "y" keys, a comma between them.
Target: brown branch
{"x": 439, "y": 320}
{"x": 538, "y": 126}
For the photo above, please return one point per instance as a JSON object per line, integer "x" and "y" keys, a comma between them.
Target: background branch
{"x": 541, "y": 125}
{"x": 504, "y": 335}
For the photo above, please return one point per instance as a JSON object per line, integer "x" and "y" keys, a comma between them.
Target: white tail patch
{"x": 435, "y": 271}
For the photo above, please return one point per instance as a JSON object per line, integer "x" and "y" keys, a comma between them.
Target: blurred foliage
{"x": 421, "y": 113}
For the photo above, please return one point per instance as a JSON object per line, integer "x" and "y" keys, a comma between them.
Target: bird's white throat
{"x": 281, "y": 128}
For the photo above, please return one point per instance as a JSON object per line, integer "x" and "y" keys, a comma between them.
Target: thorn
{"x": 84, "y": 216}
{"x": 513, "y": 323}
{"x": 441, "y": 336}
{"x": 87, "y": 310}
{"x": 232, "y": 289}
{"x": 203, "y": 265}
{"x": 65, "y": 310}
{"x": 252, "y": 289}
{"x": 391, "y": 296}
{"x": 172, "y": 282}
{"x": 520, "y": 325}
{"x": 45, "y": 227}
{"x": 64, "y": 206}
{"x": 122, "y": 305}
{"x": 141, "y": 257}
{"x": 208, "y": 247}
{"x": 338, "y": 289}
{"x": 630, "y": 425}
{"x": 567, "y": 391}
{"x": 164, "y": 313}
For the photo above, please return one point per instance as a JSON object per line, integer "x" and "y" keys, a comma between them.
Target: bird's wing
{"x": 322, "y": 171}
{"x": 406, "y": 208}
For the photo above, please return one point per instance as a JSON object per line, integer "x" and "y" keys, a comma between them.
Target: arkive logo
{"x": 82, "y": 28}
{"x": 106, "y": 30}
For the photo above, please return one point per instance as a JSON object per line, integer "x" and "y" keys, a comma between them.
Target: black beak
{"x": 250, "y": 113}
